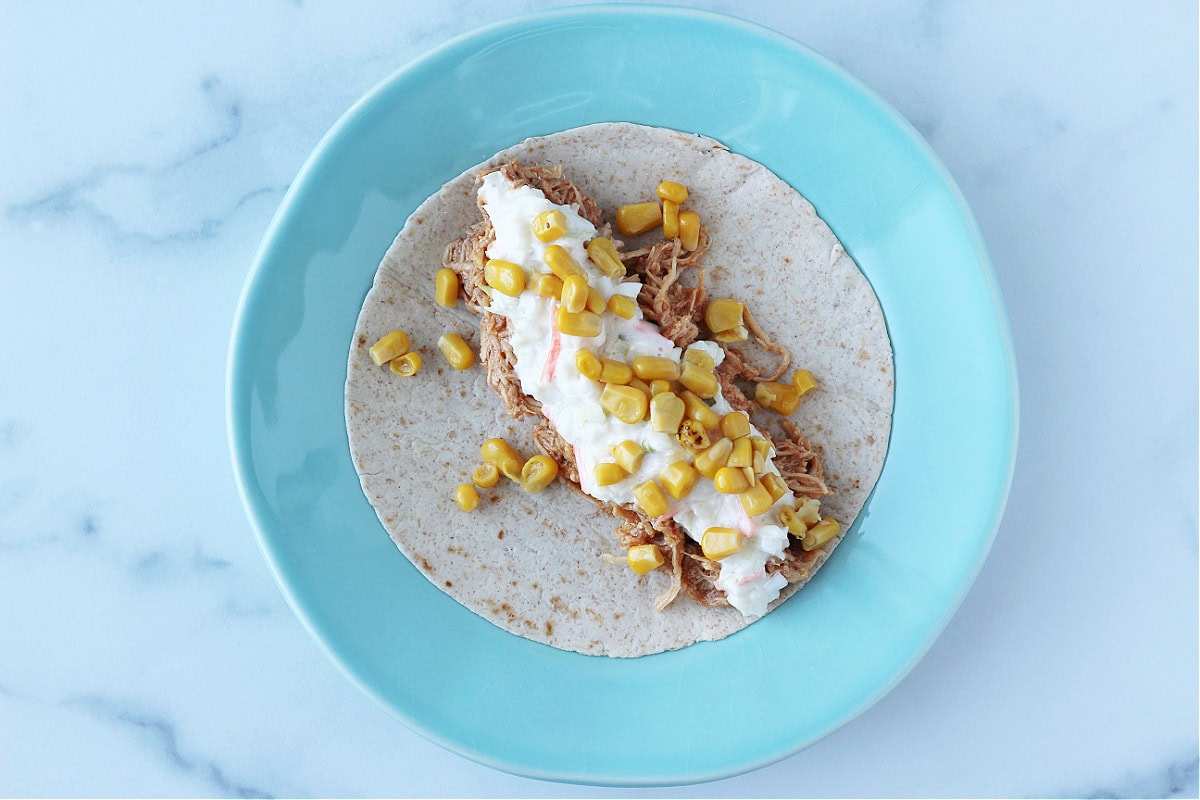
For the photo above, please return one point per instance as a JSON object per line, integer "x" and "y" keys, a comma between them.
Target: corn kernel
{"x": 607, "y": 474}
{"x": 700, "y": 358}
{"x": 689, "y": 230}
{"x": 718, "y": 543}
{"x": 547, "y": 285}
{"x": 456, "y": 350}
{"x": 637, "y": 218}
{"x": 666, "y": 412}
{"x": 501, "y": 455}
{"x": 743, "y": 453}
{"x": 624, "y": 402}
{"x": 791, "y": 520}
{"x": 629, "y": 455}
{"x": 702, "y": 382}
{"x": 574, "y": 293}
{"x": 692, "y": 436}
{"x": 730, "y": 480}
{"x": 819, "y": 534}
{"x": 697, "y": 409}
{"x": 644, "y": 558}
{"x": 604, "y": 255}
{"x": 390, "y": 345}
{"x": 804, "y": 382}
{"x": 650, "y": 499}
{"x": 774, "y": 484}
{"x": 561, "y": 263}
{"x": 538, "y": 473}
{"x": 723, "y": 314}
{"x": 595, "y": 301}
{"x": 588, "y": 365}
{"x": 678, "y": 479}
{"x": 780, "y": 397}
{"x": 715, "y": 457}
{"x": 466, "y": 497}
{"x": 613, "y": 371}
{"x": 406, "y": 365}
{"x": 738, "y": 334}
{"x": 550, "y": 225}
{"x": 659, "y": 386}
{"x": 670, "y": 216}
{"x": 761, "y": 446}
{"x": 809, "y": 511}
{"x": 651, "y": 368}
{"x": 504, "y": 276}
{"x": 756, "y": 500}
{"x": 623, "y": 306}
{"x": 751, "y": 479}
{"x": 585, "y": 324}
{"x": 670, "y": 190}
{"x": 445, "y": 287}
{"x": 485, "y": 475}
{"x": 642, "y": 387}
{"x": 759, "y": 463}
{"x": 735, "y": 424}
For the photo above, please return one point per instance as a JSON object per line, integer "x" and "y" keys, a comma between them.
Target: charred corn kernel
{"x": 456, "y": 350}
{"x": 390, "y": 345}
{"x": 445, "y": 287}
{"x": 637, "y": 218}
{"x": 623, "y": 306}
{"x": 774, "y": 484}
{"x": 699, "y": 380}
{"x": 588, "y": 365}
{"x": 692, "y": 436}
{"x": 607, "y": 474}
{"x": 538, "y": 473}
{"x": 756, "y": 500}
{"x": 716, "y": 456}
{"x": 735, "y": 424}
{"x": 504, "y": 276}
{"x": 718, "y": 543}
{"x": 650, "y": 499}
{"x": 738, "y": 334}
{"x": 804, "y": 382}
{"x": 547, "y": 285}
{"x": 585, "y": 324}
{"x": 809, "y": 511}
{"x": 761, "y": 446}
{"x": 406, "y": 365}
{"x": 820, "y": 533}
{"x": 666, "y": 412}
{"x": 574, "y": 293}
{"x": 781, "y": 397}
{"x": 595, "y": 301}
{"x": 759, "y": 463}
{"x": 695, "y": 408}
{"x": 624, "y": 402}
{"x": 689, "y": 230}
{"x": 730, "y": 480}
{"x": 659, "y": 386}
{"x": 485, "y": 475}
{"x": 670, "y": 190}
{"x": 655, "y": 368}
{"x": 613, "y": 371}
{"x": 670, "y": 212}
{"x": 501, "y": 455}
{"x": 791, "y": 520}
{"x": 604, "y": 255}
{"x": 466, "y": 497}
{"x": 550, "y": 225}
{"x": 723, "y": 314}
{"x": 644, "y": 558}
{"x": 678, "y": 479}
{"x": 629, "y": 455}
{"x": 743, "y": 453}
{"x": 699, "y": 358}
{"x": 561, "y": 263}
{"x": 642, "y": 387}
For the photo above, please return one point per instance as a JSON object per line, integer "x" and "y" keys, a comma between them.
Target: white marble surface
{"x": 144, "y": 647}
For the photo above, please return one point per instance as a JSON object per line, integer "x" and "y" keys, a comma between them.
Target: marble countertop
{"x": 144, "y": 646}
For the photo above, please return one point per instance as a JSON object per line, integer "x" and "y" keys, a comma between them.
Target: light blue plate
{"x": 824, "y": 656}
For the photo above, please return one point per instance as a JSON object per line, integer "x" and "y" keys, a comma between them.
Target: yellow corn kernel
{"x": 644, "y": 558}
{"x": 689, "y": 230}
{"x": 735, "y": 424}
{"x": 700, "y": 358}
{"x": 670, "y": 190}
{"x": 718, "y": 543}
{"x": 595, "y": 301}
{"x": 678, "y": 479}
{"x": 561, "y": 263}
{"x": 501, "y": 455}
{"x": 445, "y": 287}
{"x": 695, "y": 408}
{"x": 613, "y": 371}
{"x": 692, "y": 436}
{"x": 574, "y": 293}
{"x": 716, "y": 456}
{"x": 655, "y": 368}
{"x": 585, "y": 324}
{"x": 751, "y": 479}
{"x": 550, "y": 225}
{"x": 587, "y": 364}
{"x": 623, "y": 306}
{"x": 791, "y": 520}
{"x": 804, "y": 382}
{"x": 701, "y": 381}
{"x": 659, "y": 386}
{"x": 642, "y": 387}
{"x": 604, "y": 255}
{"x": 547, "y": 285}
{"x": 756, "y": 500}
{"x": 538, "y": 473}
{"x": 666, "y": 412}
{"x": 406, "y": 365}
{"x": 390, "y": 345}
{"x": 504, "y": 276}
{"x": 738, "y": 334}
{"x": 650, "y": 499}
{"x": 819, "y": 534}
{"x": 637, "y": 218}
{"x": 723, "y": 314}
{"x": 624, "y": 402}
{"x": 466, "y": 497}
{"x": 629, "y": 455}
{"x": 486, "y": 475}
{"x": 761, "y": 446}
{"x": 730, "y": 480}
{"x": 759, "y": 463}
{"x": 607, "y": 474}
{"x": 774, "y": 484}
{"x": 456, "y": 350}
{"x": 670, "y": 216}
{"x": 780, "y": 397}
{"x": 743, "y": 453}
{"x": 809, "y": 511}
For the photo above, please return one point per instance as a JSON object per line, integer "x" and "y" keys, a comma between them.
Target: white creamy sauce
{"x": 546, "y": 368}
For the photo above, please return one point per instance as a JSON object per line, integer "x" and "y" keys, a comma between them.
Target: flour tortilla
{"x": 533, "y": 564}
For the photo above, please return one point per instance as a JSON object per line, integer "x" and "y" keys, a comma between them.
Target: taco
{"x": 751, "y": 288}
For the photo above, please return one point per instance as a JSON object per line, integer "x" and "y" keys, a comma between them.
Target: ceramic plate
{"x": 825, "y": 655}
